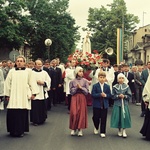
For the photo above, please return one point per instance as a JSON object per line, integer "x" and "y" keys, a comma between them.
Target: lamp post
{"x": 48, "y": 43}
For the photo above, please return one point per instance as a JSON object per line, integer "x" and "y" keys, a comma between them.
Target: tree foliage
{"x": 47, "y": 19}
{"x": 103, "y": 22}
{"x": 11, "y": 23}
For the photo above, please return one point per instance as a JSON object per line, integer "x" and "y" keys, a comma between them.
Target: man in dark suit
{"x": 56, "y": 81}
{"x": 144, "y": 76}
{"x": 138, "y": 85}
{"x": 116, "y": 74}
{"x": 130, "y": 78}
{"x": 46, "y": 67}
{"x": 61, "y": 93}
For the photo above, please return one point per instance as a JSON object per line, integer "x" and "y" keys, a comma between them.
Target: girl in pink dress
{"x": 79, "y": 87}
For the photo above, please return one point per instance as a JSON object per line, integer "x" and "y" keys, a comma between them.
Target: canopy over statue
{"x": 86, "y": 44}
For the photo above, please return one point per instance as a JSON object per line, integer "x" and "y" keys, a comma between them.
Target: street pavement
{"x": 55, "y": 134}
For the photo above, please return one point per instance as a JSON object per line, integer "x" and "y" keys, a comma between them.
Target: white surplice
{"x": 19, "y": 86}
{"x": 43, "y": 76}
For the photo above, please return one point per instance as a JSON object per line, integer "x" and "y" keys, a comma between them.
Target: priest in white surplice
{"x": 20, "y": 88}
{"x": 38, "y": 113}
{"x": 69, "y": 75}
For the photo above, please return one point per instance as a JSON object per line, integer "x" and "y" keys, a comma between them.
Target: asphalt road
{"x": 55, "y": 134}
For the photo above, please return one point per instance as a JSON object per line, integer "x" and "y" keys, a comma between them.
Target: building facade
{"x": 138, "y": 46}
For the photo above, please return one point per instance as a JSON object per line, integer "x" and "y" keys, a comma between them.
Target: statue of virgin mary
{"x": 86, "y": 44}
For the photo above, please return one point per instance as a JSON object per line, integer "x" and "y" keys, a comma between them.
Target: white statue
{"x": 86, "y": 44}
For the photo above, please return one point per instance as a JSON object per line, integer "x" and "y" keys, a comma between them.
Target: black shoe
{"x": 16, "y": 135}
{"x": 48, "y": 109}
{"x": 142, "y": 114}
{"x": 34, "y": 124}
{"x": 12, "y": 135}
{"x": 21, "y": 135}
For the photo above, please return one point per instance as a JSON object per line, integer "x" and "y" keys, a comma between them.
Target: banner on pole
{"x": 119, "y": 45}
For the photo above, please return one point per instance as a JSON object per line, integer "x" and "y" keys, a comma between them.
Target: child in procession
{"x": 100, "y": 94}
{"x": 79, "y": 87}
{"x": 120, "y": 117}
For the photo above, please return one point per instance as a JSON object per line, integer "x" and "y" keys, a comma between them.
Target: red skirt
{"x": 78, "y": 112}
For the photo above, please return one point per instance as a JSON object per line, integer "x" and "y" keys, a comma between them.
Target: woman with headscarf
{"x": 79, "y": 87}
{"x": 120, "y": 117}
{"x": 145, "y": 130}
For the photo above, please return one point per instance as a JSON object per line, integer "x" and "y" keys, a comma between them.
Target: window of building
{"x": 147, "y": 58}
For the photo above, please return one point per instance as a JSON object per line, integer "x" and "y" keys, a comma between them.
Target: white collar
{"x": 121, "y": 86}
{"x": 101, "y": 84}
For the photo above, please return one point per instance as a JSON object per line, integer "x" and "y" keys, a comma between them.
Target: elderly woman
{"x": 79, "y": 87}
{"x": 145, "y": 131}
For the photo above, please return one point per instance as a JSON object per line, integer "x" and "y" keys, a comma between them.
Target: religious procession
{"x": 56, "y": 94}
{"x": 87, "y": 79}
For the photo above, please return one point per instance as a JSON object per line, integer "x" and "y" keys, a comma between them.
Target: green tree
{"x": 47, "y": 19}
{"x": 52, "y": 21}
{"x": 104, "y": 22}
{"x": 12, "y": 23}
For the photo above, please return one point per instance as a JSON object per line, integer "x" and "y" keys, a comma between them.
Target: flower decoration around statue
{"x": 88, "y": 61}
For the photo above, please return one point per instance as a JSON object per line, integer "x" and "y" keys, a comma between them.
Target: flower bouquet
{"x": 88, "y": 61}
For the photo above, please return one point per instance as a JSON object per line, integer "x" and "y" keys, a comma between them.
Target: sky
{"x": 79, "y": 11}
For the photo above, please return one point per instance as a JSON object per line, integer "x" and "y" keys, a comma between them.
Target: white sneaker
{"x": 138, "y": 104}
{"x": 80, "y": 133}
{"x": 102, "y": 135}
{"x": 124, "y": 133}
{"x": 120, "y": 132}
{"x": 95, "y": 131}
{"x": 73, "y": 132}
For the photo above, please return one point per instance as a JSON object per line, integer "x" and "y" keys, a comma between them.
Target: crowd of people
{"x": 38, "y": 86}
